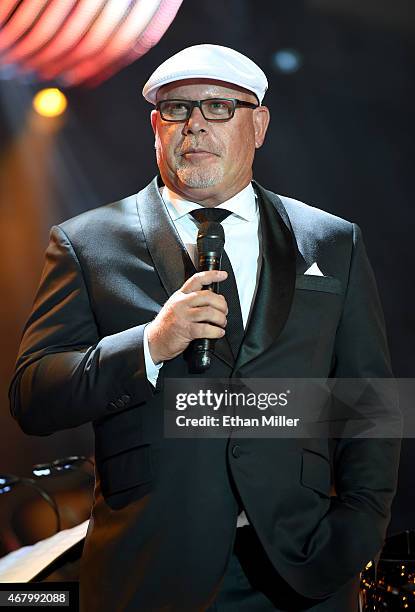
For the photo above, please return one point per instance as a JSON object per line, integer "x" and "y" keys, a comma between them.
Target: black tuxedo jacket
{"x": 164, "y": 515}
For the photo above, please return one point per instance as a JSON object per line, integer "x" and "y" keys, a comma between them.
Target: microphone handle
{"x": 201, "y": 348}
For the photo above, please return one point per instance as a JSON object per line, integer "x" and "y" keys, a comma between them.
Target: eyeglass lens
{"x": 180, "y": 110}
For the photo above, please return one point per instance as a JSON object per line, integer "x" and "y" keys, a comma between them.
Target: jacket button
{"x": 112, "y": 406}
{"x": 119, "y": 403}
{"x": 236, "y": 451}
{"x": 126, "y": 399}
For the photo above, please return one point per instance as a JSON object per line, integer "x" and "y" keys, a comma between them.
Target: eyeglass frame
{"x": 198, "y": 103}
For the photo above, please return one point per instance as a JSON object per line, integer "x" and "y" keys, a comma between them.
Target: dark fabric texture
{"x": 163, "y": 521}
{"x": 252, "y": 583}
{"x": 228, "y": 288}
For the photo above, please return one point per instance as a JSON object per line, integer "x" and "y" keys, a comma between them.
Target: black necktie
{"x": 228, "y": 288}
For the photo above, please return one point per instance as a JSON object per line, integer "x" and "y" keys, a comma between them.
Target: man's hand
{"x": 191, "y": 312}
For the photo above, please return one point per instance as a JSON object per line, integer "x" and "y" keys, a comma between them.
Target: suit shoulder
{"x": 304, "y": 216}
{"x": 108, "y": 216}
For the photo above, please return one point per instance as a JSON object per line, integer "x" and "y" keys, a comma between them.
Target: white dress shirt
{"x": 242, "y": 244}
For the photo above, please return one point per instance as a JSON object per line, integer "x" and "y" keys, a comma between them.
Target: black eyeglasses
{"x": 212, "y": 109}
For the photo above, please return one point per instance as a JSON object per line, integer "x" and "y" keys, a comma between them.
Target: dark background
{"x": 341, "y": 138}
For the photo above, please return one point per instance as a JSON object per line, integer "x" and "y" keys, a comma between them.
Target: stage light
{"x": 287, "y": 60}
{"x": 50, "y": 102}
{"x": 80, "y": 41}
{"x": 72, "y": 463}
{"x": 41, "y": 469}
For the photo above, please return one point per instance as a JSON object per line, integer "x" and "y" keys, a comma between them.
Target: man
{"x": 118, "y": 305}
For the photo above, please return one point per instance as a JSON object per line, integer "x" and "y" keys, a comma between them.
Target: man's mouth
{"x": 197, "y": 153}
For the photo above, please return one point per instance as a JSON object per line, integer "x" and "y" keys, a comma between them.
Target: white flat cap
{"x": 208, "y": 62}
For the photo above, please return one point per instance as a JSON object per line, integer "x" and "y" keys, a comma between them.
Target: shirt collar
{"x": 243, "y": 204}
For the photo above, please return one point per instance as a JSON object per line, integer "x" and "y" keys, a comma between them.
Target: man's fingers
{"x": 208, "y": 298}
{"x": 199, "y": 280}
{"x": 208, "y": 314}
{"x": 205, "y": 330}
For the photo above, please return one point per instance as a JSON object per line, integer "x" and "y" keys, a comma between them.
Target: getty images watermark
{"x": 283, "y": 408}
{"x": 223, "y": 401}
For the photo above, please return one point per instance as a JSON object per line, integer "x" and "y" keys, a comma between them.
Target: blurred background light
{"x": 287, "y": 60}
{"x": 80, "y": 41}
{"x": 50, "y": 102}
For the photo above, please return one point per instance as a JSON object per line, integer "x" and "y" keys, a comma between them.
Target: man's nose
{"x": 196, "y": 122}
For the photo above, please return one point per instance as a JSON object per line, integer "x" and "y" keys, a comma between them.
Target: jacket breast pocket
{"x": 316, "y": 473}
{"x": 128, "y": 470}
{"x": 327, "y": 284}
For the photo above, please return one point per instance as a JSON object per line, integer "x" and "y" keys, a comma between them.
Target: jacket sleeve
{"x": 66, "y": 374}
{"x": 365, "y": 469}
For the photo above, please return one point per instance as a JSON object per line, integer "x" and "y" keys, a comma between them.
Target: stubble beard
{"x": 200, "y": 177}
{"x": 196, "y": 177}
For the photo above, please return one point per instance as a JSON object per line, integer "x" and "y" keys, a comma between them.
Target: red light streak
{"x": 80, "y": 41}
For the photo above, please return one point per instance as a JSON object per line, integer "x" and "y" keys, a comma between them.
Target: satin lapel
{"x": 276, "y": 282}
{"x": 168, "y": 253}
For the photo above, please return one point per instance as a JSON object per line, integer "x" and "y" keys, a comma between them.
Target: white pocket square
{"x": 314, "y": 270}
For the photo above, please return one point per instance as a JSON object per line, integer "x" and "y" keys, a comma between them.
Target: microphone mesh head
{"x": 210, "y": 238}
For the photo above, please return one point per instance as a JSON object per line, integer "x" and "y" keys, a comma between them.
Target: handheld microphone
{"x": 210, "y": 244}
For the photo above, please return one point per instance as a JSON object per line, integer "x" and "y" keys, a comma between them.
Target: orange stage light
{"x": 50, "y": 102}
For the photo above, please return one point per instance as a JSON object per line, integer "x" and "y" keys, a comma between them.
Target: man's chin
{"x": 199, "y": 180}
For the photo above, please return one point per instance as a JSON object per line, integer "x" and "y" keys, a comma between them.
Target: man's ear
{"x": 153, "y": 119}
{"x": 261, "y": 118}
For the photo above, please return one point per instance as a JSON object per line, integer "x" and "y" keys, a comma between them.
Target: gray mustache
{"x": 195, "y": 144}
